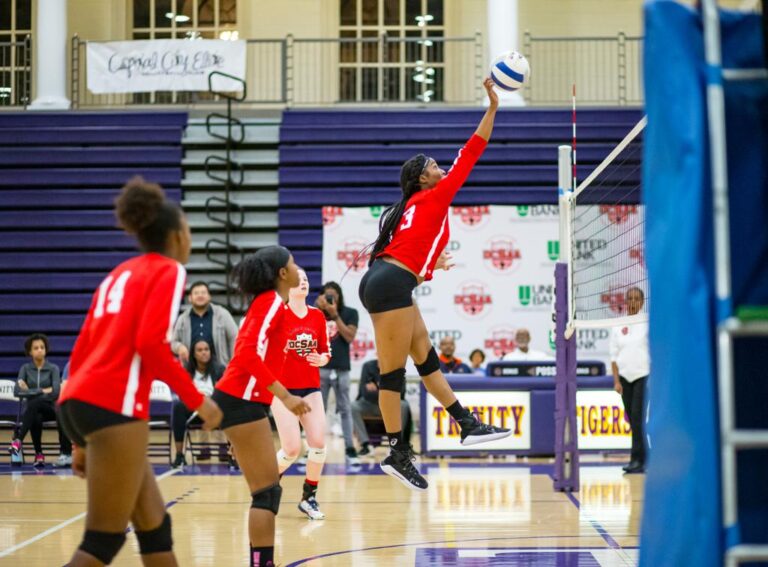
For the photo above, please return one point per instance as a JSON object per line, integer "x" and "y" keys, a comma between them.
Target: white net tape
{"x": 607, "y": 236}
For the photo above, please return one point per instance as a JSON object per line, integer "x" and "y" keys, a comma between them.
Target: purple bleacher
{"x": 59, "y": 176}
{"x": 353, "y": 158}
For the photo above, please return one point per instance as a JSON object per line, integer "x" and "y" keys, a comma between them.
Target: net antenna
{"x": 602, "y": 235}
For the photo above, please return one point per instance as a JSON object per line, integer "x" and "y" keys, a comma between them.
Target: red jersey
{"x": 124, "y": 343}
{"x": 259, "y": 351}
{"x": 423, "y": 233}
{"x": 303, "y": 335}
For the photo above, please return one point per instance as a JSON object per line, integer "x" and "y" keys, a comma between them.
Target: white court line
{"x": 62, "y": 525}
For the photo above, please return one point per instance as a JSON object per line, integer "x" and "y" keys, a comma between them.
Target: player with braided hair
{"x": 411, "y": 244}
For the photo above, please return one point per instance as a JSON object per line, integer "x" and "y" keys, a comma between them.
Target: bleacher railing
{"x": 387, "y": 70}
{"x": 15, "y": 72}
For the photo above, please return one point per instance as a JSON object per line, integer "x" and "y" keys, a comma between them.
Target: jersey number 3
{"x": 112, "y": 295}
{"x": 408, "y": 217}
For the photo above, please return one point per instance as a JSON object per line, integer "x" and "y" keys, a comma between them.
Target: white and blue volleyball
{"x": 510, "y": 71}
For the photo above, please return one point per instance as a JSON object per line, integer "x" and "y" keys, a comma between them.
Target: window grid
{"x": 12, "y": 55}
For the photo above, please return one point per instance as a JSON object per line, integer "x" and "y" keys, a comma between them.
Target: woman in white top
{"x": 630, "y": 362}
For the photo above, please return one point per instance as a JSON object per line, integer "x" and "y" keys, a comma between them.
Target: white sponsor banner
{"x": 163, "y": 65}
{"x": 503, "y": 279}
{"x": 600, "y": 420}
{"x": 503, "y": 409}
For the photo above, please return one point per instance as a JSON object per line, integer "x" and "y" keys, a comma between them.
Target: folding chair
{"x": 10, "y": 405}
{"x": 160, "y": 402}
{"x": 196, "y": 448}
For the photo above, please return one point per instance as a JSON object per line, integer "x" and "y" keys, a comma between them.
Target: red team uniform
{"x": 124, "y": 343}
{"x": 303, "y": 336}
{"x": 259, "y": 351}
{"x": 423, "y": 233}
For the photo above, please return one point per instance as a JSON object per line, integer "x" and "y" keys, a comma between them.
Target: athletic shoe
{"x": 179, "y": 461}
{"x": 351, "y": 456}
{"x": 399, "y": 464}
{"x": 475, "y": 431}
{"x": 233, "y": 466}
{"x": 15, "y": 448}
{"x": 311, "y": 509}
{"x": 39, "y": 461}
{"x": 366, "y": 450}
{"x": 63, "y": 462}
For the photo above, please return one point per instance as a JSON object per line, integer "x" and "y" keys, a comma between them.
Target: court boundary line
{"x": 61, "y": 525}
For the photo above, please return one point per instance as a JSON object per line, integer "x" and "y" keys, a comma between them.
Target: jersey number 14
{"x": 112, "y": 296}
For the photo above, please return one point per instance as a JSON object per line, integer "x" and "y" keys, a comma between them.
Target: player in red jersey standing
{"x": 412, "y": 237}
{"x": 307, "y": 349}
{"x": 104, "y": 407}
{"x": 249, "y": 384}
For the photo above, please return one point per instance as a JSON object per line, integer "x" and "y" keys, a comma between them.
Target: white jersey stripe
{"x": 263, "y": 342}
{"x": 129, "y": 398}
{"x": 178, "y": 292}
{"x": 249, "y": 388}
{"x": 424, "y": 268}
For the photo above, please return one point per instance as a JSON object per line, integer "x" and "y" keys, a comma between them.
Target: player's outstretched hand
{"x": 78, "y": 461}
{"x": 296, "y": 405}
{"x": 493, "y": 97}
{"x": 210, "y": 413}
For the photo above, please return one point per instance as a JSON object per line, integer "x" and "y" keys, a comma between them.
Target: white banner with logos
{"x": 503, "y": 409}
{"x": 163, "y": 65}
{"x": 601, "y": 421}
{"x": 503, "y": 279}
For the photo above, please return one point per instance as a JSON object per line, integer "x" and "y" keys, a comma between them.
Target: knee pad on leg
{"x": 393, "y": 381}
{"x": 267, "y": 499}
{"x": 158, "y": 540}
{"x": 316, "y": 455}
{"x": 430, "y": 365}
{"x": 102, "y": 545}
{"x": 284, "y": 461}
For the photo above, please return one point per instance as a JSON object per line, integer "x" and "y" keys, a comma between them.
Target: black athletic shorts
{"x": 80, "y": 419}
{"x": 303, "y": 392}
{"x": 386, "y": 287}
{"x": 237, "y": 410}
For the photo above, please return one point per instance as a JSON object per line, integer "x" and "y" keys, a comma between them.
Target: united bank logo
{"x": 376, "y": 211}
{"x": 553, "y": 250}
{"x": 587, "y": 249}
{"x": 331, "y": 216}
{"x": 361, "y": 346}
{"x": 473, "y": 216}
{"x": 535, "y": 295}
{"x": 500, "y": 341}
{"x": 472, "y": 300}
{"x": 501, "y": 254}
{"x": 537, "y": 211}
{"x": 618, "y": 214}
{"x": 351, "y": 255}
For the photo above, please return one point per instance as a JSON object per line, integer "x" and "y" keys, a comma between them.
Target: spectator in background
{"x": 205, "y": 372}
{"x": 204, "y": 320}
{"x": 367, "y": 404}
{"x": 631, "y": 365}
{"x": 523, "y": 350}
{"x": 39, "y": 383}
{"x": 477, "y": 361}
{"x": 342, "y": 327}
{"x": 449, "y": 364}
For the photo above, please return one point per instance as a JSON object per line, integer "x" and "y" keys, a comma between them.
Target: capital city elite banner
{"x": 503, "y": 279}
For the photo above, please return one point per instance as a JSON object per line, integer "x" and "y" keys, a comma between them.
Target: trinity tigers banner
{"x": 503, "y": 279}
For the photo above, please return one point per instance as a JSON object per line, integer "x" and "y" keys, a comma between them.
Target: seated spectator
{"x": 523, "y": 351}
{"x": 449, "y": 364}
{"x": 205, "y": 373}
{"x": 367, "y": 404}
{"x": 39, "y": 384}
{"x": 477, "y": 361}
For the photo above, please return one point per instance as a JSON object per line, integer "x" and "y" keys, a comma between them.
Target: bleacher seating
{"x": 353, "y": 158}
{"x": 59, "y": 175}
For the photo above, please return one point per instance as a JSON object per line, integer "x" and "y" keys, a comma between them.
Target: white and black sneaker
{"x": 311, "y": 508}
{"x": 399, "y": 464}
{"x": 475, "y": 431}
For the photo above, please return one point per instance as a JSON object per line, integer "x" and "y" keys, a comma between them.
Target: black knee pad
{"x": 267, "y": 499}
{"x": 393, "y": 381}
{"x": 158, "y": 540}
{"x": 430, "y": 365}
{"x": 102, "y": 545}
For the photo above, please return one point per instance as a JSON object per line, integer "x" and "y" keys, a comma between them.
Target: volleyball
{"x": 510, "y": 71}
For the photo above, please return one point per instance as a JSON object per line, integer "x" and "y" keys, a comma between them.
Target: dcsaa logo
{"x": 361, "y": 346}
{"x": 501, "y": 254}
{"x": 636, "y": 254}
{"x": 472, "y": 216}
{"x": 471, "y": 300}
{"x": 615, "y": 299}
{"x": 501, "y": 341}
{"x": 350, "y": 256}
{"x": 303, "y": 344}
{"x": 618, "y": 214}
{"x": 331, "y": 216}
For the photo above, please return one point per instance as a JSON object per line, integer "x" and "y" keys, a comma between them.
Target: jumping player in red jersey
{"x": 122, "y": 346}
{"x": 307, "y": 349}
{"x": 249, "y": 384}
{"x": 411, "y": 244}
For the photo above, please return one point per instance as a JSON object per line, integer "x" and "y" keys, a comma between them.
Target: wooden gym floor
{"x": 476, "y": 513}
